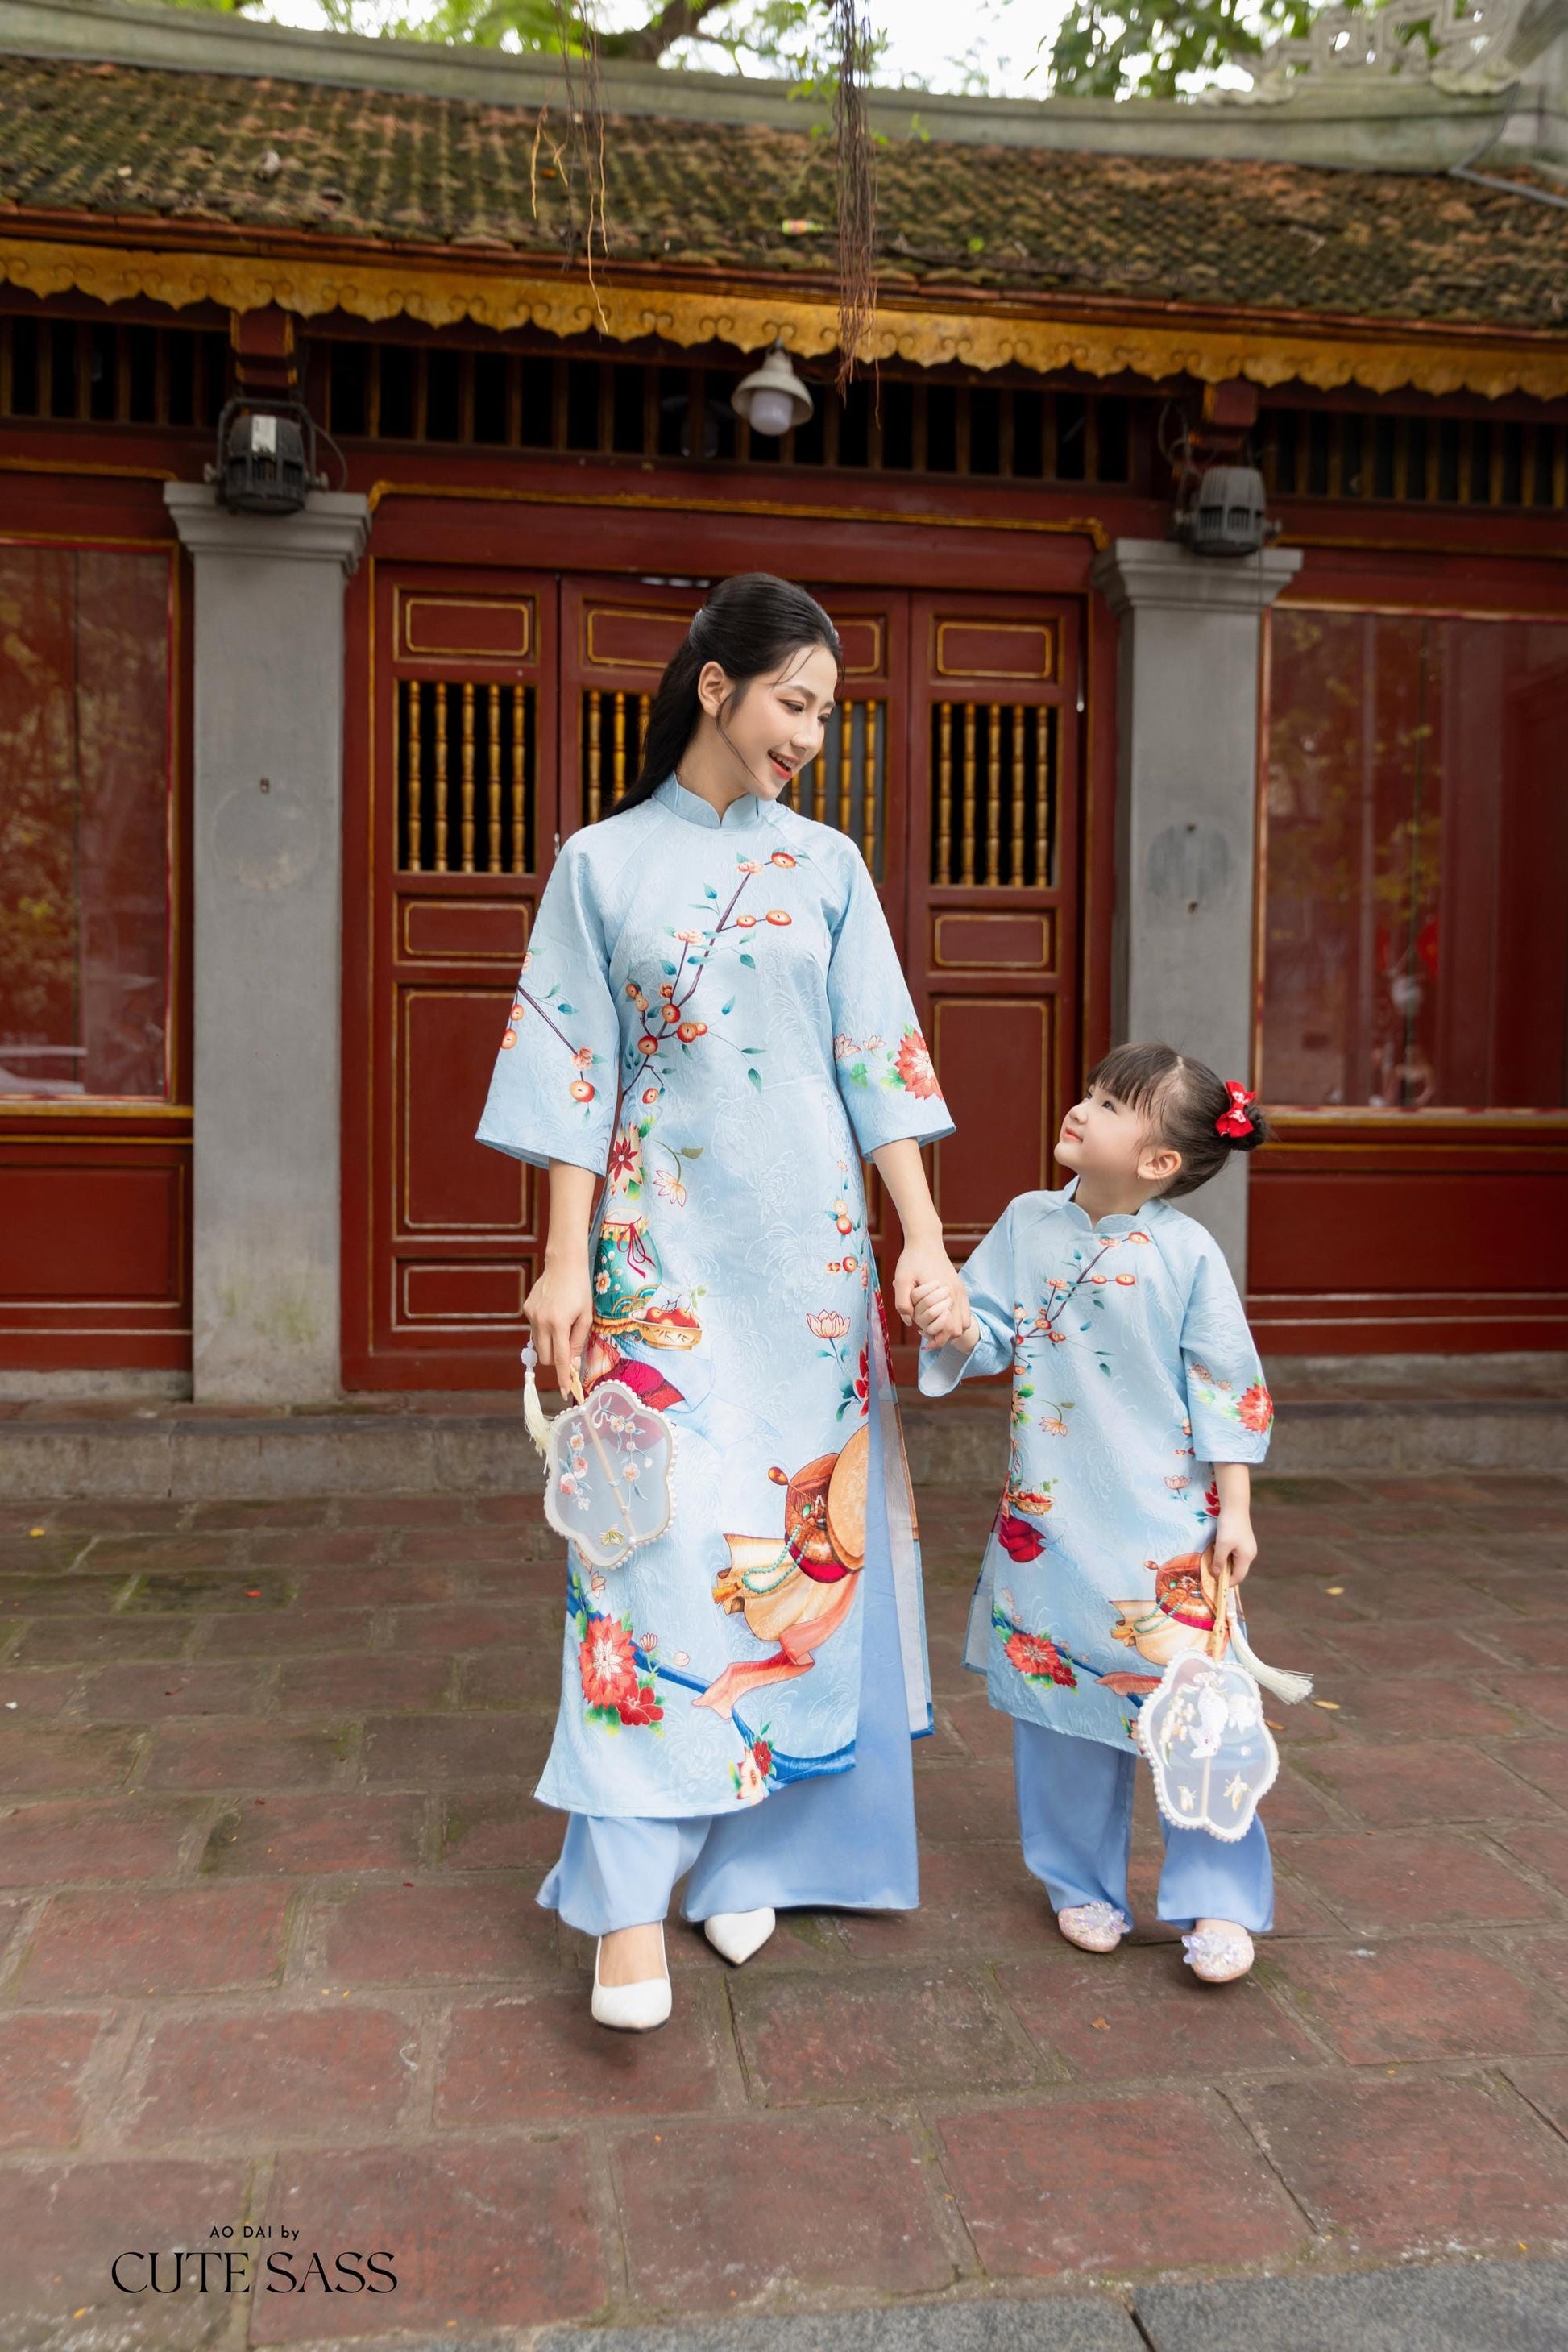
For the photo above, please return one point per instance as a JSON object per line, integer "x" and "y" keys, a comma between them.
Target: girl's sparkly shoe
{"x": 1218, "y": 1954}
{"x": 1093, "y": 1926}
{"x": 632, "y": 2007}
{"x": 738, "y": 1933}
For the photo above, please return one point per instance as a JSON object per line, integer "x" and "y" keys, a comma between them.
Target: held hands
{"x": 942, "y": 1312}
{"x": 925, "y": 1266}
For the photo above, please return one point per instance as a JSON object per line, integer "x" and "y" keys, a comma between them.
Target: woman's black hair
{"x": 1183, "y": 1102}
{"x": 749, "y": 626}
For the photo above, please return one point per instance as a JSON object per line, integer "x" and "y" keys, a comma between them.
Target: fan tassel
{"x": 535, "y": 1419}
{"x": 1291, "y": 1688}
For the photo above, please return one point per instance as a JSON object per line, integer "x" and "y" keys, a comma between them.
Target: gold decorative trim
{"x": 442, "y": 293}
{"x": 68, "y": 465}
{"x": 568, "y": 495}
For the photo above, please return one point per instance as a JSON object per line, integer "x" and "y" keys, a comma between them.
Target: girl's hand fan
{"x": 1211, "y": 1753}
{"x": 607, "y": 1462}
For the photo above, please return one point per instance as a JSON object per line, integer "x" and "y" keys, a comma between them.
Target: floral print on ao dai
{"x": 711, "y": 1015}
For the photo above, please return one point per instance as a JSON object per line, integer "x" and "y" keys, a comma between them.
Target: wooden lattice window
{"x": 614, "y": 726}
{"x": 846, "y": 785}
{"x": 993, "y": 794}
{"x": 467, "y": 777}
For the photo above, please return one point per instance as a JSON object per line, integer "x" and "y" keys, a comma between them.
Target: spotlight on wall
{"x": 772, "y": 399}
{"x": 265, "y": 458}
{"x": 1220, "y": 497}
{"x": 1221, "y": 512}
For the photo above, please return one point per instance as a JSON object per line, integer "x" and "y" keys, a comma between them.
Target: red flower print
{"x": 1039, "y": 1660}
{"x": 762, "y": 1753}
{"x": 1255, "y": 1410}
{"x": 781, "y": 857}
{"x": 863, "y": 1376}
{"x": 1017, "y": 1537}
{"x": 777, "y": 915}
{"x": 1211, "y": 1499}
{"x": 623, "y": 1156}
{"x": 605, "y": 1663}
{"x": 642, "y": 1706}
{"x": 914, "y": 1065}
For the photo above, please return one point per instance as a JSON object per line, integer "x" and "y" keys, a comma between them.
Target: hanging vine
{"x": 854, "y": 168}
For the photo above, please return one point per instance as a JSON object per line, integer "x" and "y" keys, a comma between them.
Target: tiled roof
{"x": 137, "y": 146}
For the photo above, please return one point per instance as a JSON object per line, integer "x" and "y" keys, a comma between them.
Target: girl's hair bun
{"x": 1202, "y": 1116}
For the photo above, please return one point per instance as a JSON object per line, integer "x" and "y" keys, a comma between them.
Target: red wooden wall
{"x": 95, "y": 1196}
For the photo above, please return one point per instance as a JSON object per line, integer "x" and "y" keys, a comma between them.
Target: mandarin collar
{"x": 742, "y": 815}
{"x": 1107, "y": 1226}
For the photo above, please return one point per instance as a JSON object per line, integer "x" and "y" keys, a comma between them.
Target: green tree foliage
{"x": 1161, "y": 48}
{"x": 790, "y": 37}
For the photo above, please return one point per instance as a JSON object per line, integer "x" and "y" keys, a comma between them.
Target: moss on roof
{"x": 135, "y": 145}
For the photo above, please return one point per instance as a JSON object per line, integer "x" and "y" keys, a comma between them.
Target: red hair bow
{"x": 1233, "y": 1119}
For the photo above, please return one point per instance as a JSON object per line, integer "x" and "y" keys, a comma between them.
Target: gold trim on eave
{"x": 442, "y": 294}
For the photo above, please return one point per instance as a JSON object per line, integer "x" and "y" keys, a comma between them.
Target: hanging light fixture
{"x": 265, "y": 456}
{"x": 772, "y": 399}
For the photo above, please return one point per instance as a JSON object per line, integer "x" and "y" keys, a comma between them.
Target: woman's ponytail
{"x": 672, "y": 724}
{"x": 750, "y": 626}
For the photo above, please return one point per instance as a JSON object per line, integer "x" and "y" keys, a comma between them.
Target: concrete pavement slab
{"x": 1449, "y": 2308}
{"x": 1064, "y": 2323}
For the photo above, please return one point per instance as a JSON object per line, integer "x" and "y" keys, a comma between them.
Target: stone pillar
{"x": 1186, "y": 703}
{"x": 268, "y": 892}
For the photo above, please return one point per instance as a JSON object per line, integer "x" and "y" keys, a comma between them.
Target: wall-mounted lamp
{"x": 265, "y": 458}
{"x": 772, "y": 399}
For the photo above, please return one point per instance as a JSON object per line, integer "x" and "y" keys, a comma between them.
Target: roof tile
{"x": 364, "y": 164}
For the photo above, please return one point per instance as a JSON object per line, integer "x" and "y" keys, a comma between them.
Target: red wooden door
{"x": 462, "y": 817}
{"x": 507, "y": 709}
{"x": 994, "y": 885}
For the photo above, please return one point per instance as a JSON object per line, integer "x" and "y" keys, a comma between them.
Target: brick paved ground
{"x": 268, "y": 1950}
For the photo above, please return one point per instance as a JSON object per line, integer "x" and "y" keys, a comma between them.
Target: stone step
{"x": 1390, "y": 1416}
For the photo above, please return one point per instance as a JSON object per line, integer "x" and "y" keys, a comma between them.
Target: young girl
{"x": 1137, "y": 1403}
{"x": 712, "y": 1017}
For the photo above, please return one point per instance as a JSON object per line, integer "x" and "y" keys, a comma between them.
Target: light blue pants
{"x": 844, "y": 1840}
{"x": 1075, "y": 1817}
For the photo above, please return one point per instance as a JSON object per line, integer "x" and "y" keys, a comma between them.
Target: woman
{"x": 712, "y": 1016}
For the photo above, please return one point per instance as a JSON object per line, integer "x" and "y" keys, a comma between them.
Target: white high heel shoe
{"x": 633, "y": 2008}
{"x": 736, "y": 1935}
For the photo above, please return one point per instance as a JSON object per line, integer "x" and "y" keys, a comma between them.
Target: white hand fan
{"x": 1209, "y": 1748}
{"x": 607, "y": 1460}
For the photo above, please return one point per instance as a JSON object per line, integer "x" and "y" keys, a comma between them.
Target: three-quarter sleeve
{"x": 552, "y": 1093}
{"x": 988, "y": 1278}
{"x": 1227, "y": 1402}
{"x": 881, "y": 1061}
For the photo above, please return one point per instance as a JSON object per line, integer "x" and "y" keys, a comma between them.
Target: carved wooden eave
{"x": 981, "y": 331}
